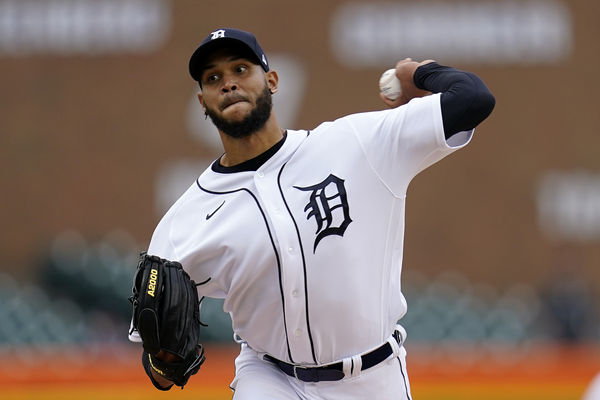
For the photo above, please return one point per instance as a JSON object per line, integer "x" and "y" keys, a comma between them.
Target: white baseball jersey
{"x": 307, "y": 249}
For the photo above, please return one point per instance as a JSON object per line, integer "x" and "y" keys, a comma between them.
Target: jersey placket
{"x": 292, "y": 265}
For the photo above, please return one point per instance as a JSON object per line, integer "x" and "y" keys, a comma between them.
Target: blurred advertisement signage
{"x": 368, "y": 34}
{"x": 82, "y": 26}
{"x": 568, "y": 205}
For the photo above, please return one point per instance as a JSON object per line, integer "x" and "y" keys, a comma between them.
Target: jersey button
{"x": 297, "y": 332}
{"x": 290, "y": 250}
{"x": 261, "y": 174}
{"x": 295, "y": 293}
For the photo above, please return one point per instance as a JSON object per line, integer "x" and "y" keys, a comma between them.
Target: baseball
{"x": 389, "y": 85}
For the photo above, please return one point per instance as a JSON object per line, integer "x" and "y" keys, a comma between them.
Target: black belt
{"x": 333, "y": 372}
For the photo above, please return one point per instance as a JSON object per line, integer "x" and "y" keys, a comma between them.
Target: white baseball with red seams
{"x": 389, "y": 84}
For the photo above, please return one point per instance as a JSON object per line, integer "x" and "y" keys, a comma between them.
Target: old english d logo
{"x": 328, "y": 205}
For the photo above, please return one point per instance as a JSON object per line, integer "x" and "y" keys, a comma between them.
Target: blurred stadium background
{"x": 100, "y": 133}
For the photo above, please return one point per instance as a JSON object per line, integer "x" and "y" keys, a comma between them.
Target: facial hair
{"x": 253, "y": 122}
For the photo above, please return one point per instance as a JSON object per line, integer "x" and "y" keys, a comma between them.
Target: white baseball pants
{"x": 257, "y": 379}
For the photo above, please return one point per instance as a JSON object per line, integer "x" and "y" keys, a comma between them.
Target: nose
{"x": 229, "y": 85}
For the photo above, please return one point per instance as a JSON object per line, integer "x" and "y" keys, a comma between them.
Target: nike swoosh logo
{"x": 209, "y": 216}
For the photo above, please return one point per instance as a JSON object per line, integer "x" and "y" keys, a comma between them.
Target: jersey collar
{"x": 252, "y": 164}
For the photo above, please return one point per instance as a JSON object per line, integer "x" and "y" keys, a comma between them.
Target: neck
{"x": 238, "y": 150}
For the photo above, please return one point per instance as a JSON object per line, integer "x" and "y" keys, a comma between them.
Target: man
{"x": 301, "y": 232}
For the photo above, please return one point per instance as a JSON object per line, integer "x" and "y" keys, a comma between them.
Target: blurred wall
{"x": 99, "y": 131}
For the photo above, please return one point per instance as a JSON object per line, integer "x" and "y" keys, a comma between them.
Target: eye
{"x": 210, "y": 78}
{"x": 241, "y": 68}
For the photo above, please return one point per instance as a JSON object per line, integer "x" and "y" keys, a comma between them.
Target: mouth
{"x": 232, "y": 100}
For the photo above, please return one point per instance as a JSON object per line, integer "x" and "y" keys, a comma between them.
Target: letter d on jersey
{"x": 327, "y": 197}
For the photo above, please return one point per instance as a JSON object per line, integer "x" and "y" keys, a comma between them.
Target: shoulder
{"x": 370, "y": 119}
{"x": 191, "y": 194}
{"x": 161, "y": 243}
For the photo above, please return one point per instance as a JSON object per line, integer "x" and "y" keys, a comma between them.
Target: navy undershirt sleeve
{"x": 465, "y": 100}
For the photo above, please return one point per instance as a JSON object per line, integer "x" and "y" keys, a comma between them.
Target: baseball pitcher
{"x": 300, "y": 232}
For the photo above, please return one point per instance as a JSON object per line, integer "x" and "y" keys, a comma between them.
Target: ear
{"x": 201, "y": 100}
{"x": 272, "y": 81}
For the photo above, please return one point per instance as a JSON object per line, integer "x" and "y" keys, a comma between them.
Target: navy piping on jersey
{"x": 403, "y": 378}
{"x": 312, "y": 345}
{"x": 274, "y": 250}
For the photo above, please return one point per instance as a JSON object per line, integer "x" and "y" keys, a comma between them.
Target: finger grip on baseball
{"x": 389, "y": 85}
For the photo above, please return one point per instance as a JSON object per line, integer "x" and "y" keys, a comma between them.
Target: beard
{"x": 253, "y": 122}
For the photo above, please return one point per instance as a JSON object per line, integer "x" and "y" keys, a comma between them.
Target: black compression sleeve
{"x": 465, "y": 100}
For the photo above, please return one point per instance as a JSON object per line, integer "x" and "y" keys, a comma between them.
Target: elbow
{"x": 488, "y": 102}
{"x": 465, "y": 111}
{"x": 482, "y": 106}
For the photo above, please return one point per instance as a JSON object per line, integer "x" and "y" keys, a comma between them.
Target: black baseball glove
{"x": 166, "y": 313}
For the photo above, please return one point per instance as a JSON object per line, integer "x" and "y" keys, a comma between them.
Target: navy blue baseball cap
{"x": 221, "y": 37}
